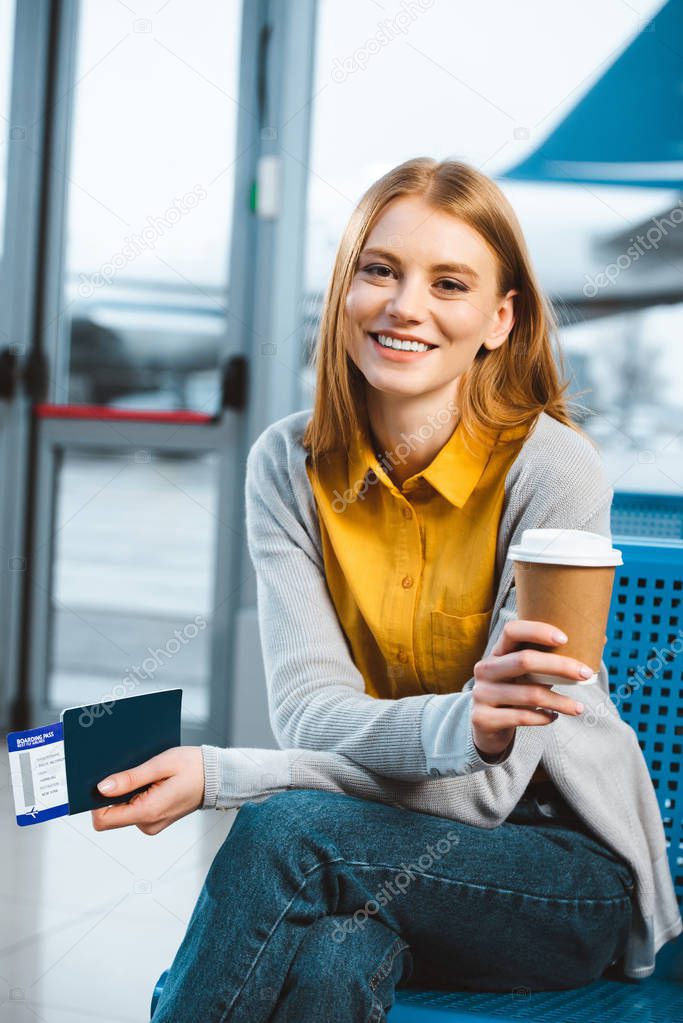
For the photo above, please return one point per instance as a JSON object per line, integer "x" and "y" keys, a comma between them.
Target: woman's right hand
{"x": 175, "y": 780}
{"x": 503, "y": 696}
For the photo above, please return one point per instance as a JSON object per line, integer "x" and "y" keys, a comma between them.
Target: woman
{"x": 459, "y": 841}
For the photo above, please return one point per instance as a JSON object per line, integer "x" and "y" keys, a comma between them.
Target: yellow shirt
{"x": 411, "y": 570}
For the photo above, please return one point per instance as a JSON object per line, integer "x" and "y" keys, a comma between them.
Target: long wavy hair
{"x": 505, "y": 388}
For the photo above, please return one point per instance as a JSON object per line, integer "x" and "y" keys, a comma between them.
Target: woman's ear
{"x": 504, "y": 320}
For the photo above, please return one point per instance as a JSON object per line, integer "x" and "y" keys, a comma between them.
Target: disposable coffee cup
{"x": 565, "y": 577}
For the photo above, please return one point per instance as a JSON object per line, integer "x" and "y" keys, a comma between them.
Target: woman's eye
{"x": 457, "y": 285}
{"x": 376, "y": 266}
{"x": 372, "y": 270}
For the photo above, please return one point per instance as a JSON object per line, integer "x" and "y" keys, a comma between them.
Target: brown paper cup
{"x": 575, "y": 599}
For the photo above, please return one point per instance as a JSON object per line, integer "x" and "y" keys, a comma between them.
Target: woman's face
{"x": 406, "y": 288}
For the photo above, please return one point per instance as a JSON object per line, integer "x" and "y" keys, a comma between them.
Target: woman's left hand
{"x": 176, "y": 780}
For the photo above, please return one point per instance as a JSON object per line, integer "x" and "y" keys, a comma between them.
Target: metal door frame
{"x": 19, "y": 298}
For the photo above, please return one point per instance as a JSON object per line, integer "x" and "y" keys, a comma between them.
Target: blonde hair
{"x": 504, "y": 388}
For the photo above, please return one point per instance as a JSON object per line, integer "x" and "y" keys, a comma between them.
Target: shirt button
{"x": 407, "y": 582}
{"x": 402, "y": 656}
{"x": 407, "y": 513}
{"x": 435, "y": 772}
{"x": 468, "y": 768}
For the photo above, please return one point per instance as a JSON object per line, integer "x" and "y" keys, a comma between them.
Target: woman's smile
{"x": 395, "y": 354}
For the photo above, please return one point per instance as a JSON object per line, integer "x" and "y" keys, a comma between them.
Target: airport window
{"x": 132, "y": 592}
{"x": 149, "y": 206}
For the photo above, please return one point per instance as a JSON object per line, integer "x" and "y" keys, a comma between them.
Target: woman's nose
{"x": 407, "y": 302}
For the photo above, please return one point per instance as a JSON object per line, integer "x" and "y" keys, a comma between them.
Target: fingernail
{"x": 579, "y": 708}
{"x": 107, "y": 785}
{"x": 559, "y": 637}
{"x": 586, "y": 672}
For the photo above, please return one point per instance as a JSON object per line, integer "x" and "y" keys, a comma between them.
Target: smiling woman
{"x": 398, "y": 673}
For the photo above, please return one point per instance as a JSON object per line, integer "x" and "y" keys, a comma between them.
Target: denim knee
{"x": 277, "y": 828}
{"x": 292, "y": 813}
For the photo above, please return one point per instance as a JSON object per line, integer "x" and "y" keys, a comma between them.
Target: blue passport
{"x": 105, "y": 738}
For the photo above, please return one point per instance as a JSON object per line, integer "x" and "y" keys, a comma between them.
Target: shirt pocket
{"x": 458, "y": 642}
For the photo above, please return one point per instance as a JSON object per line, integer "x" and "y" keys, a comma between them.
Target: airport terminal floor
{"x": 76, "y": 898}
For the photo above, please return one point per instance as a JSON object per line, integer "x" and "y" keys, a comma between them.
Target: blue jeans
{"x": 318, "y": 905}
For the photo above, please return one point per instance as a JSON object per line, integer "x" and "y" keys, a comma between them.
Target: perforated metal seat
{"x": 658, "y": 516}
{"x": 646, "y": 683}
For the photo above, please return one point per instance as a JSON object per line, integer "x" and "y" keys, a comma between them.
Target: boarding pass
{"x": 38, "y": 770}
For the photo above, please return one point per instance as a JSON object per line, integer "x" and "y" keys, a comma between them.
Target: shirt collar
{"x": 454, "y": 471}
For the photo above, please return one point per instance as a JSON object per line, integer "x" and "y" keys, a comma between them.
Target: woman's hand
{"x": 176, "y": 780}
{"x": 504, "y": 697}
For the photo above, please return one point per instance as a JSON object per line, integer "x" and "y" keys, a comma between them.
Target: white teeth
{"x": 402, "y": 346}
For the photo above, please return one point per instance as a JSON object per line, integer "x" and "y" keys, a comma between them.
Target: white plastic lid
{"x": 565, "y": 547}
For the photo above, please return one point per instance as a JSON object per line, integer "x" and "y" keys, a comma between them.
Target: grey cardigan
{"x": 417, "y": 752}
